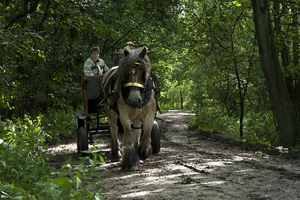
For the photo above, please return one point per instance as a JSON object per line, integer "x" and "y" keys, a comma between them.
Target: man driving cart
{"x": 94, "y": 65}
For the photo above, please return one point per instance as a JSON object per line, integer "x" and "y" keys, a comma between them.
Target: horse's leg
{"x": 144, "y": 147}
{"x": 130, "y": 159}
{"x": 137, "y": 133}
{"x": 115, "y": 145}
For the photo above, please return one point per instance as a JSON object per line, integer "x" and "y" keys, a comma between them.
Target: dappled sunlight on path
{"x": 192, "y": 166}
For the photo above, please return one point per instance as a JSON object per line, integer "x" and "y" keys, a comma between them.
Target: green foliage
{"x": 43, "y": 45}
{"x": 25, "y": 173}
{"x": 188, "y": 180}
{"x": 24, "y": 169}
{"x": 175, "y": 96}
{"x": 204, "y": 54}
{"x": 261, "y": 129}
{"x": 58, "y": 124}
{"x": 258, "y": 128}
{"x": 76, "y": 187}
{"x": 227, "y": 85}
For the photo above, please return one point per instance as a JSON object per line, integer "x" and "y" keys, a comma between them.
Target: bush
{"x": 24, "y": 170}
{"x": 58, "y": 124}
{"x": 81, "y": 177}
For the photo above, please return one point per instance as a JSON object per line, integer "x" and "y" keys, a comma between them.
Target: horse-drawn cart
{"x": 90, "y": 122}
{"x": 93, "y": 121}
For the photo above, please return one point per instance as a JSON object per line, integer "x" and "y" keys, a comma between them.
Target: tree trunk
{"x": 296, "y": 81}
{"x": 284, "y": 49}
{"x": 181, "y": 100}
{"x": 288, "y": 123}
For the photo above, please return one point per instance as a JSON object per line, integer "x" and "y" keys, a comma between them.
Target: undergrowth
{"x": 256, "y": 130}
{"x": 24, "y": 169}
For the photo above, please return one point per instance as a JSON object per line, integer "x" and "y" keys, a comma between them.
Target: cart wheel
{"x": 155, "y": 138}
{"x": 82, "y": 142}
{"x": 77, "y": 140}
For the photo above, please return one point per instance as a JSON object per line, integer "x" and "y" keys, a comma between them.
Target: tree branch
{"x": 33, "y": 6}
{"x": 132, "y": 29}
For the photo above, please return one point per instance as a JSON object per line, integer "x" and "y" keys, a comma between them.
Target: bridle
{"x": 133, "y": 71}
{"x": 139, "y": 69}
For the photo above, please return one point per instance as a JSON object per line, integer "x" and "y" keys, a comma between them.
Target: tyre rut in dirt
{"x": 83, "y": 141}
{"x": 155, "y": 138}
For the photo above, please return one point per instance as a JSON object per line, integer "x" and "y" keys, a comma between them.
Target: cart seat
{"x": 91, "y": 88}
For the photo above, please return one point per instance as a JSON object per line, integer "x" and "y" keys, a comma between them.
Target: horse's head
{"x": 133, "y": 74}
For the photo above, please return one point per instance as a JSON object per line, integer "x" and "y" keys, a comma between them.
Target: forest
{"x": 234, "y": 63}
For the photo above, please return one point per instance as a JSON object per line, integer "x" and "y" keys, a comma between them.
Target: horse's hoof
{"x": 130, "y": 165}
{"x": 116, "y": 158}
{"x": 131, "y": 169}
{"x": 143, "y": 154}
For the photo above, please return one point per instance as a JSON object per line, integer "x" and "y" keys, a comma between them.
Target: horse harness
{"x": 109, "y": 83}
{"x": 135, "y": 84}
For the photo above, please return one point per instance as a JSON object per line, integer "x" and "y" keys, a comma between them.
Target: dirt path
{"x": 193, "y": 165}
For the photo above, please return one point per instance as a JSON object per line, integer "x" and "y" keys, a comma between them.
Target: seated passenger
{"x": 93, "y": 65}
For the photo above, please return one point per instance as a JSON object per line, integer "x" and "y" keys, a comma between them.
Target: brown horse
{"x": 129, "y": 99}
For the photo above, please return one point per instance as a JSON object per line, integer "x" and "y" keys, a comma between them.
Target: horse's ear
{"x": 126, "y": 52}
{"x": 143, "y": 53}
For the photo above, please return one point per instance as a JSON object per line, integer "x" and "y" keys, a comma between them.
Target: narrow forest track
{"x": 195, "y": 165}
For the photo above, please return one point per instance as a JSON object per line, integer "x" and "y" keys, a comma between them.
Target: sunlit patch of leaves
{"x": 188, "y": 180}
